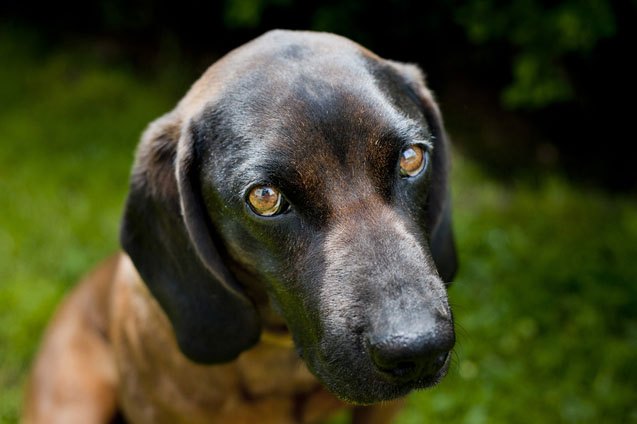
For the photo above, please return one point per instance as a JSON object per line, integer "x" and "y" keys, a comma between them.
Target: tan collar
{"x": 277, "y": 339}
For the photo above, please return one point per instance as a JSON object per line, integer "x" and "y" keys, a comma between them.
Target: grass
{"x": 546, "y": 300}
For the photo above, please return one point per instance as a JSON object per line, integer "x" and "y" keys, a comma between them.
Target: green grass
{"x": 546, "y": 300}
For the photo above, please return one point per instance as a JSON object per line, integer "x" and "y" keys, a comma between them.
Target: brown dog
{"x": 293, "y": 205}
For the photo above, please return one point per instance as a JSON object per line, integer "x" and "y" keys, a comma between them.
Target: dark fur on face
{"x": 356, "y": 267}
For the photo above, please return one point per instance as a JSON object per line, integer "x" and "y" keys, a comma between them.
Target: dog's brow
{"x": 263, "y": 170}
{"x": 413, "y": 132}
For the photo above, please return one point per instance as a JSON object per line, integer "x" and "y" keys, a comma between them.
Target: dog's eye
{"x": 266, "y": 201}
{"x": 413, "y": 160}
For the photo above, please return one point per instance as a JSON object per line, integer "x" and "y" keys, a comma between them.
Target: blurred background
{"x": 538, "y": 98}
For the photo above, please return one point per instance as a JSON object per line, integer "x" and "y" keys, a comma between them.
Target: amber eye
{"x": 266, "y": 200}
{"x": 413, "y": 160}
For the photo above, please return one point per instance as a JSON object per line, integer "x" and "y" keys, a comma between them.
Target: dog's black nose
{"x": 409, "y": 356}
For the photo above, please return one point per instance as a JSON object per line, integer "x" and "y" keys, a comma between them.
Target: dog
{"x": 287, "y": 246}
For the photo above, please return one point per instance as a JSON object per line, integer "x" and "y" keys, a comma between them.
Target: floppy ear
{"x": 441, "y": 241}
{"x": 166, "y": 232}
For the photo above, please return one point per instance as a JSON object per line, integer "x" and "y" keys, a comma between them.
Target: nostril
{"x": 407, "y": 359}
{"x": 389, "y": 361}
{"x": 437, "y": 362}
{"x": 402, "y": 370}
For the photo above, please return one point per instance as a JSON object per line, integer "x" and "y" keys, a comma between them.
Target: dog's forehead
{"x": 277, "y": 46}
{"x": 272, "y": 63}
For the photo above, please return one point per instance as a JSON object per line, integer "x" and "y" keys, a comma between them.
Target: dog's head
{"x": 302, "y": 174}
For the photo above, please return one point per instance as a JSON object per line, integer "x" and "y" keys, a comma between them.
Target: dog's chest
{"x": 267, "y": 384}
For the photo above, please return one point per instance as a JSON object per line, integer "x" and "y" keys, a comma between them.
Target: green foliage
{"x": 248, "y": 13}
{"x": 242, "y": 13}
{"x": 542, "y": 37}
{"x": 546, "y": 300}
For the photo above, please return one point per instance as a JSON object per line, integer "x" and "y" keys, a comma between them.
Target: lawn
{"x": 545, "y": 301}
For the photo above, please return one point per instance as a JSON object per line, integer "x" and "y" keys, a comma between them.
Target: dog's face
{"x": 314, "y": 171}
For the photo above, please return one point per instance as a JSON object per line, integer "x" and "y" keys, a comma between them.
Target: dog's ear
{"x": 439, "y": 226}
{"x": 166, "y": 231}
